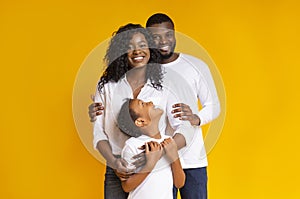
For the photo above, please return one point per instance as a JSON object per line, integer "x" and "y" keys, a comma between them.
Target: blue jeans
{"x": 112, "y": 186}
{"x": 195, "y": 186}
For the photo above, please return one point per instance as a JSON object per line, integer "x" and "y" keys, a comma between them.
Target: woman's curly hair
{"x": 116, "y": 57}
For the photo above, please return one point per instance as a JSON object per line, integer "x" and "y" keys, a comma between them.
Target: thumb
{"x": 146, "y": 148}
{"x": 92, "y": 96}
{"x": 123, "y": 162}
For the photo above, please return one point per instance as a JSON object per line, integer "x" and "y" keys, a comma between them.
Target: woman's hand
{"x": 121, "y": 169}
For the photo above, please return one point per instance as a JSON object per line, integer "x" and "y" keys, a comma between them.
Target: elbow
{"x": 125, "y": 187}
{"x": 180, "y": 183}
{"x": 216, "y": 111}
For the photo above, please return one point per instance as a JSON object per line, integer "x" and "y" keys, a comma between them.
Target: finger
{"x": 99, "y": 107}
{"x": 177, "y": 110}
{"x": 150, "y": 145}
{"x": 123, "y": 162}
{"x": 177, "y": 105}
{"x": 142, "y": 147}
{"x": 140, "y": 155}
{"x": 177, "y": 115}
{"x": 140, "y": 162}
{"x": 146, "y": 148}
{"x": 99, "y": 113}
{"x": 166, "y": 141}
{"x": 156, "y": 146}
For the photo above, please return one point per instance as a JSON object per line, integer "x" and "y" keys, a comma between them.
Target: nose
{"x": 136, "y": 51}
{"x": 163, "y": 40}
{"x": 150, "y": 103}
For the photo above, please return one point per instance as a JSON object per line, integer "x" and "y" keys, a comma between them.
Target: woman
{"x": 133, "y": 71}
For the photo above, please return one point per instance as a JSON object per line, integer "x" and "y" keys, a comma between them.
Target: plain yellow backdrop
{"x": 255, "y": 45}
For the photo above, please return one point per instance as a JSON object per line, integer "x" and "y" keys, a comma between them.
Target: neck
{"x": 136, "y": 75}
{"x": 170, "y": 59}
{"x": 152, "y": 131}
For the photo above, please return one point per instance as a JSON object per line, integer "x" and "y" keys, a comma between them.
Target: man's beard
{"x": 167, "y": 56}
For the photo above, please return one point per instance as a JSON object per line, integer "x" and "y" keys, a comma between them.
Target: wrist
{"x": 197, "y": 120}
{"x": 113, "y": 162}
{"x": 149, "y": 166}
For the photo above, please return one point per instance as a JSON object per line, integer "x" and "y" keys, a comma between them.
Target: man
{"x": 196, "y": 74}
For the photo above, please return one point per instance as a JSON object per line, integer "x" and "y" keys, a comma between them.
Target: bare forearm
{"x": 180, "y": 140}
{"x": 104, "y": 148}
{"x": 135, "y": 180}
{"x": 178, "y": 174}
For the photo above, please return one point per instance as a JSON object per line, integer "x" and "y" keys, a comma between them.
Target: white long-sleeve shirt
{"x": 190, "y": 79}
{"x": 112, "y": 97}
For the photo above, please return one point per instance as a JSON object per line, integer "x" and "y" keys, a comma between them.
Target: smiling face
{"x": 138, "y": 53}
{"x": 164, "y": 37}
{"x": 146, "y": 112}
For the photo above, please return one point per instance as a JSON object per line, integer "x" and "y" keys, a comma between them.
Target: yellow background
{"x": 255, "y": 45}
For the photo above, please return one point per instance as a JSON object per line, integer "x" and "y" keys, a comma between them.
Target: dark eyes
{"x": 141, "y": 45}
{"x": 156, "y": 37}
{"x": 170, "y": 34}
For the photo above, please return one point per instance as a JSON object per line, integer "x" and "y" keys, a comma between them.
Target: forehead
{"x": 134, "y": 102}
{"x": 136, "y": 37}
{"x": 161, "y": 27}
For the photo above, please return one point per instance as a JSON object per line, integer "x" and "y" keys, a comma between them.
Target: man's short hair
{"x": 158, "y": 18}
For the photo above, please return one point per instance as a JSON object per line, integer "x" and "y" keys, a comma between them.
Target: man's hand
{"x": 184, "y": 112}
{"x": 121, "y": 169}
{"x": 95, "y": 109}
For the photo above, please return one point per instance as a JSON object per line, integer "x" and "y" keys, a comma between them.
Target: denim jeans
{"x": 112, "y": 186}
{"x": 195, "y": 186}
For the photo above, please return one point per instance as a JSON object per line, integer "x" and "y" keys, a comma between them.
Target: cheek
{"x": 148, "y": 55}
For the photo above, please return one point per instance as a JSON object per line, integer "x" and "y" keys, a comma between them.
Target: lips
{"x": 164, "y": 48}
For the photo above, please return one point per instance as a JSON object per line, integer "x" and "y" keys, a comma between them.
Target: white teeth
{"x": 164, "y": 48}
{"x": 137, "y": 58}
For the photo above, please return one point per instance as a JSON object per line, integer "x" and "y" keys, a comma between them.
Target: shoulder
{"x": 133, "y": 142}
{"x": 192, "y": 59}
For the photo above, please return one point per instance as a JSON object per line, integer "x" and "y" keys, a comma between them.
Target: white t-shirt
{"x": 196, "y": 74}
{"x": 159, "y": 183}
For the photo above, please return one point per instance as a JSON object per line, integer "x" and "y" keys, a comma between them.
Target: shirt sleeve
{"x": 127, "y": 153}
{"x": 207, "y": 94}
{"x": 180, "y": 126}
{"x": 99, "y": 133}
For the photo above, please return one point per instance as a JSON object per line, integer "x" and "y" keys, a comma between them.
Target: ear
{"x": 140, "y": 122}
